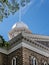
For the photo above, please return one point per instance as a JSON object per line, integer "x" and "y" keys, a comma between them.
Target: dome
{"x": 19, "y": 25}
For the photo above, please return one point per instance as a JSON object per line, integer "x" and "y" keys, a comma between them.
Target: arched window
{"x": 33, "y": 61}
{"x": 14, "y": 61}
{"x": 45, "y": 63}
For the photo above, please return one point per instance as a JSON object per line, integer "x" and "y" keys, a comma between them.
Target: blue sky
{"x": 36, "y": 17}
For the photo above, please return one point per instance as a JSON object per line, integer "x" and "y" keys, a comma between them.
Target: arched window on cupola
{"x": 33, "y": 61}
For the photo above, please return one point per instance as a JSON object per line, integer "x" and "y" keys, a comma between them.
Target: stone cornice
{"x": 36, "y": 44}
{"x": 36, "y": 37}
{"x": 29, "y": 38}
{"x": 30, "y": 47}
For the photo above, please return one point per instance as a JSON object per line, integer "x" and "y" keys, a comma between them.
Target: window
{"x": 14, "y": 61}
{"x": 45, "y": 63}
{"x": 33, "y": 61}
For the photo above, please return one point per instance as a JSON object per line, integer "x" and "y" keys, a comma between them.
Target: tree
{"x": 10, "y": 6}
{"x": 3, "y": 43}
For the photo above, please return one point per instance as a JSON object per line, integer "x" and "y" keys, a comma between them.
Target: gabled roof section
{"x": 42, "y": 41}
{"x": 29, "y": 41}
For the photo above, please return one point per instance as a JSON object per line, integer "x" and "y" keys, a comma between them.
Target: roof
{"x": 30, "y": 41}
{"x": 41, "y": 40}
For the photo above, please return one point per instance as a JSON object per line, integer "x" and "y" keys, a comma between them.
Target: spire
{"x": 23, "y": 4}
{"x": 20, "y": 11}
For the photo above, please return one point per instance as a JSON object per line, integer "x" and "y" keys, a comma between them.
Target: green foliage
{"x": 12, "y": 6}
{"x": 6, "y": 44}
{"x": 3, "y": 43}
{"x": 24, "y": 2}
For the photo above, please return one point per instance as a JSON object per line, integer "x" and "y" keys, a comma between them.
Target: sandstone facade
{"x": 3, "y": 59}
{"x": 23, "y": 57}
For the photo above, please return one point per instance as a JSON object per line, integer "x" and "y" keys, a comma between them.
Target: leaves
{"x": 13, "y": 8}
{"x": 5, "y": 1}
{"x": 3, "y": 43}
{"x": 7, "y": 7}
{"x": 24, "y": 2}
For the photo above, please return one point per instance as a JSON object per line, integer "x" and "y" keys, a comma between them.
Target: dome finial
{"x": 19, "y": 25}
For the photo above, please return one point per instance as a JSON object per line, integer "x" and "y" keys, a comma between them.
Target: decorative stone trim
{"x": 36, "y": 43}
{"x": 30, "y": 39}
{"x": 22, "y": 44}
{"x": 36, "y": 36}
{"x": 35, "y": 49}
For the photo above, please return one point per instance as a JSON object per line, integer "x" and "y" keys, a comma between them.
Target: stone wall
{"x": 23, "y": 55}
{"x": 17, "y": 53}
{"x": 3, "y": 59}
{"x": 27, "y": 53}
{"x": 48, "y": 60}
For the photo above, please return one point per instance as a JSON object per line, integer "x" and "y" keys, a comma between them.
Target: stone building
{"x": 25, "y": 47}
